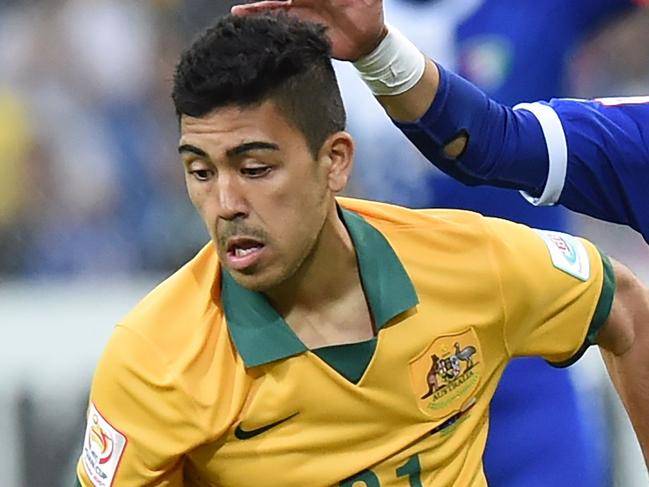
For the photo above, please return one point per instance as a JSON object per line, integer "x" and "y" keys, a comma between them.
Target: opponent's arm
{"x": 570, "y": 156}
{"x": 624, "y": 341}
{"x": 453, "y": 124}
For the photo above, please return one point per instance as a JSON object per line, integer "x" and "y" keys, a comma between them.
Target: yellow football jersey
{"x": 204, "y": 384}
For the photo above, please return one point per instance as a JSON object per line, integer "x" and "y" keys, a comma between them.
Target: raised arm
{"x": 455, "y": 125}
{"x": 565, "y": 152}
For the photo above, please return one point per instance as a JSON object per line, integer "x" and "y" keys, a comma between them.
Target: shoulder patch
{"x": 103, "y": 447}
{"x": 567, "y": 253}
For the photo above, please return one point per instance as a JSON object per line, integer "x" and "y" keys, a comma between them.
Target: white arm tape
{"x": 394, "y": 67}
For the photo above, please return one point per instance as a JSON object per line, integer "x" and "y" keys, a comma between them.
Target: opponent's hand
{"x": 355, "y": 27}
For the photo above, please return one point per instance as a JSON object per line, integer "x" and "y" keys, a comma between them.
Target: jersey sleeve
{"x": 557, "y": 291}
{"x": 598, "y": 156}
{"x": 591, "y": 156}
{"x": 137, "y": 428}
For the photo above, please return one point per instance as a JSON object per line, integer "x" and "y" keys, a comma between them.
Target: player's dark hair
{"x": 245, "y": 61}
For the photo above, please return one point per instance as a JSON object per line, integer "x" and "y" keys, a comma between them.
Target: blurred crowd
{"x": 90, "y": 181}
{"x": 89, "y": 175}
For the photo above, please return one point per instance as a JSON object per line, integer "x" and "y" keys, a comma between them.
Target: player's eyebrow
{"x": 250, "y": 146}
{"x": 192, "y": 149}
{"x": 233, "y": 152}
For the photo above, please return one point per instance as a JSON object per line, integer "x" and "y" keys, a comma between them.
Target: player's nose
{"x": 231, "y": 200}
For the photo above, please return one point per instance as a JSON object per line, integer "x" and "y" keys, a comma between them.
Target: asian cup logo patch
{"x": 103, "y": 447}
{"x": 446, "y": 375}
{"x": 567, "y": 253}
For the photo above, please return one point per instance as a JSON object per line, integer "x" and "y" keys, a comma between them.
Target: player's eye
{"x": 201, "y": 174}
{"x": 255, "y": 171}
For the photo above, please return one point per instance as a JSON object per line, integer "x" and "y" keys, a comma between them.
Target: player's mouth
{"x": 243, "y": 252}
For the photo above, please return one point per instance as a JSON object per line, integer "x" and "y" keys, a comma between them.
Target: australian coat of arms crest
{"x": 446, "y": 375}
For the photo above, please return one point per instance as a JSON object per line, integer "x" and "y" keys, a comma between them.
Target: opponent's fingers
{"x": 258, "y": 7}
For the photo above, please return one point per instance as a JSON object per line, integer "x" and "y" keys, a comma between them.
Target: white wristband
{"x": 394, "y": 67}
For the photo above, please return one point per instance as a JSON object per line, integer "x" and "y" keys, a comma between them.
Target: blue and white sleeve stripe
{"x": 557, "y": 151}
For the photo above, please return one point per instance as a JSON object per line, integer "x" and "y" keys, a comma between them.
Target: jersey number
{"x": 410, "y": 469}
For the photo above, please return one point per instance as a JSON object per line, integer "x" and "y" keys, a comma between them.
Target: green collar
{"x": 261, "y": 335}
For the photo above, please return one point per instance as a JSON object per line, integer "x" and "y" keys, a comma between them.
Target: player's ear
{"x": 337, "y": 155}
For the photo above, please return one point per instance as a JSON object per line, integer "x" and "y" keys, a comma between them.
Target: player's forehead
{"x": 229, "y": 127}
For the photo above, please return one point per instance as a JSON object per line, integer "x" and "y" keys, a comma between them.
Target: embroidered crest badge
{"x": 446, "y": 375}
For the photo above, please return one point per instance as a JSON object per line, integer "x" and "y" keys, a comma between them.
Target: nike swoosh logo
{"x": 242, "y": 434}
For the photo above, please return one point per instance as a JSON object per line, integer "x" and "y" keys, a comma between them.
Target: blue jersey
{"x": 597, "y": 157}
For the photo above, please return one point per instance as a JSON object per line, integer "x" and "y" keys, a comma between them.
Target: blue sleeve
{"x": 607, "y": 162}
{"x": 506, "y": 147}
{"x": 590, "y": 156}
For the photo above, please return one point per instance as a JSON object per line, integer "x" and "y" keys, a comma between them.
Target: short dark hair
{"x": 245, "y": 61}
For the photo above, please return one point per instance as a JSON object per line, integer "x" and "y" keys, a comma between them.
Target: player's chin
{"x": 256, "y": 278}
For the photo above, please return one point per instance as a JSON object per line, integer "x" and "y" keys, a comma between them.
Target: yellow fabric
{"x": 172, "y": 382}
{"x": 15, "y": 140}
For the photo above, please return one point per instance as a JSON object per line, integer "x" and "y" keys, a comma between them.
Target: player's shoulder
{"x": 173, "y": 348}
{"x": 439, "y": 226}
{"x": 190, "y": 295}
{"x": 394, "y": 221}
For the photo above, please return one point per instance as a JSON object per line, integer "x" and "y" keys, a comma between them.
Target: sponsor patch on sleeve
{"x": 567, "y": 253}
{"x": 103, "y": 447}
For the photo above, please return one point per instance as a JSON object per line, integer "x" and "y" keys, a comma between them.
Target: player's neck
{"x": 324, "y": 301}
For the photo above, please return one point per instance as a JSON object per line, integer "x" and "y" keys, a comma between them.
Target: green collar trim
{"x": 261, "y": 335}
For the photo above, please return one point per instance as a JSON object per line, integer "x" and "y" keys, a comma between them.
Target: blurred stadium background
{"x": 93, "y": 211}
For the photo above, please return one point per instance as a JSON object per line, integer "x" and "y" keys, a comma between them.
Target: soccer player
{"x": 591, "y": 156}
{"x": 323, "y": 341}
